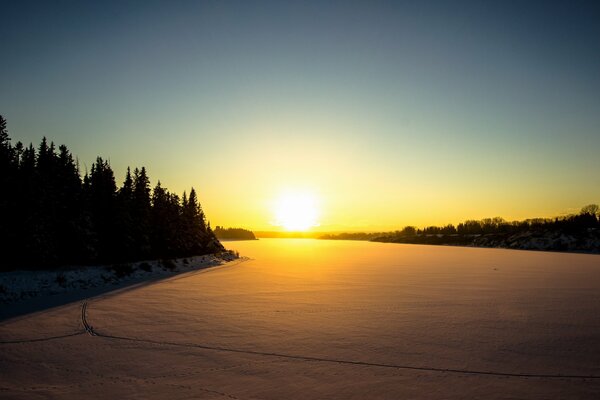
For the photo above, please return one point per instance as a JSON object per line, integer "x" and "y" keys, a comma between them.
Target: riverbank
{"x": 27, "y": 291}
{"x": 536, "y": 240}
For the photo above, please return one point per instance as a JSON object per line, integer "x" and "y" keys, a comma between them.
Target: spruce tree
{"x": 126, "y": 248}
{"x": 161, "y": 223}
{"x": 102, "y": 197}
{"x": 52, "y": 216}
{"x": 141, "y": 212}
{"x": 8, "y": 223}
{"x": 71, "y": 229}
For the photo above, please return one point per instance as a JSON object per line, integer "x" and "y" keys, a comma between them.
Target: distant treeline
{"x": 285, "y": 235}
{"x": 234, "y": 233}
{"x": 51, "y": 216}
{"x": 576, "y": 223}
{"x": 578, "y": 232}
{"x": 353, "y": 235}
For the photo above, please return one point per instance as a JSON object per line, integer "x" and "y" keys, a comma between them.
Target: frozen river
{"x": 309, "y": 319}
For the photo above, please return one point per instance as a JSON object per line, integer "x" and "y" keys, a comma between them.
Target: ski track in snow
{"x": 217, "y": 315}
{"x": 92, "y": 332}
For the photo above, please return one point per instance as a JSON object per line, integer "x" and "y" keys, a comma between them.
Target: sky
{"x": 388, "y": 113}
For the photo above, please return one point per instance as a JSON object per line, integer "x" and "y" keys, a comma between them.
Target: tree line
{"x": 584, "y": 227}
{"x": 234, "y": 233}
{"x": 588, "y": 218}
{"x": 52, "y": 216}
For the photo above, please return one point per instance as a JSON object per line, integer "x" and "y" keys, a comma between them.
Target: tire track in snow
{"x": 338, "y": 361}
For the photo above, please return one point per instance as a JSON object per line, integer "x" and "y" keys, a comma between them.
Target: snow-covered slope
{"x": 16, "y": 286}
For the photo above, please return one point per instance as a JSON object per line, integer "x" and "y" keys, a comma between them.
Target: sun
{"x": 296, "y": 211}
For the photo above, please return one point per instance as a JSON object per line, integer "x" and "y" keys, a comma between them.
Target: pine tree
{"x": 102, "y": 198}
{"x": 7, "y": 200}
{"x": 199, "y": 238}
{"x": 43, "y": 243}
{"x": 126, "y": 248}
{"x": 5, "y": 148}
{"x": 71, "y": 229}
{"x": 141, "y": 212}
{"x": 52, "y": 216}
{"x": 163, "y": 222}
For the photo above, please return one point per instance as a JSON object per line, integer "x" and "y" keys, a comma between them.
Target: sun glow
{"x": 296, "y": 211}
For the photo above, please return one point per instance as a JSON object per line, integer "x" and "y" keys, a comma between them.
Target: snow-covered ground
{"x": 544, "y": 240}
{"x": 310, "y": 319}
{"x": 21, "y": 285}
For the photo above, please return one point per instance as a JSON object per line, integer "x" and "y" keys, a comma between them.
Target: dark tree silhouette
{"x": 234, "y": 233}
{"x": 591, "y": 209}
{"x": 51, "y": 216}
{"x": 125, "y": 246}
{"x": 580, "y": 232}
{"x": 140, "y": 212}
{"x": 103, "y": 208}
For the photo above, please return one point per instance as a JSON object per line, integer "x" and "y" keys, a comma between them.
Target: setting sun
{"x": 296, "y": 211}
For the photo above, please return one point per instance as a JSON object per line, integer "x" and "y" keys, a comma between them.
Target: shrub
{"x": 145, "y": 267}
{"x": 61, "y": 279}
{"x": 122, "y": 270}
{"x": 168, "y": 264}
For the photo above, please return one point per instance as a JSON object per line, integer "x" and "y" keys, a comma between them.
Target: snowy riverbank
{"x": 551, "y": 240}
{"x": 19, "y": 286}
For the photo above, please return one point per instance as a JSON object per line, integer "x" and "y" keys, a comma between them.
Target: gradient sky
{"x": 392, "y": 113}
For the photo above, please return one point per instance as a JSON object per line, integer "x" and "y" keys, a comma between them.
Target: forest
{"x": 576, "y": 232}
{"x": 54, "y": 216}
{"x": 234, "y": 233}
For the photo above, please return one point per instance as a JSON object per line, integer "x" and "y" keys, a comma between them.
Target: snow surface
{"x": 311, "y": 319}
{"x": 20, "y": 285}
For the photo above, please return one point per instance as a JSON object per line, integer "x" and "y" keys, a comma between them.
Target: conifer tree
{"x": 52, "y": 216}
{"x": 43, "y": 242}
{"x": 163, "y": 222}
{"x": 5, "y": 147}
{"x": 71, "y": 226}
{"x": 141, "y": 212}
{"x": 102, "y": 195}
{"x": 6, "y": 178}
{"x": 125, "y": 226}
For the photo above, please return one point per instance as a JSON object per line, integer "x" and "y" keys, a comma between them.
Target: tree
{"x": 102, "y": 206}
{"x": 126, "y": 191}
{"x": 6, "y": 155}
{"x": 3, "y": 131}
{"x": 51, "y": 216}
{"x": 4, "y": 146}
{"x": 165, "y": 219}
{"x": 409, "y": 231}
{"x": 71, "y": 229}
{"x": 197, "y": 235}
{"x": 125, "y": 247}
{"x": 140, "y": 212}
{"x": 7, "y": 199}
{"x": 591, "y": 209}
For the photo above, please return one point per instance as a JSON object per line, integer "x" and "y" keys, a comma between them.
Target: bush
{"x": 168, "y": 264}
{"x": 145, "y": 267}
{"x": 61, "y": 279}
{"x": 122, "y": 270}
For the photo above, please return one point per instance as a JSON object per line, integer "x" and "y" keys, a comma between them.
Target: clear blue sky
{"x": 393, "y": 113}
